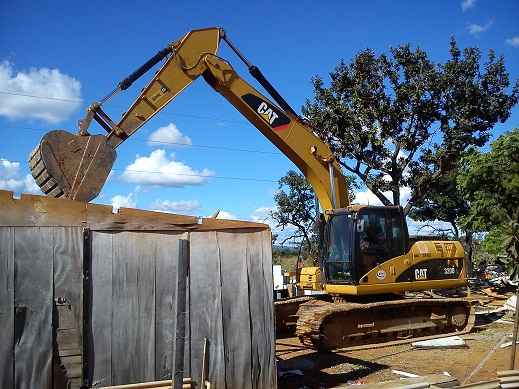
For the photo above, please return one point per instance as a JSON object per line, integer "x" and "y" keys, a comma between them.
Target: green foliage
{"x": 442, "y": 201}
{"x": 494, "y": 243}
{"x": 490, "y": 182}
{"x": 380, "y": 112}
{"x": 295, "y": 210}
{"x": 295, "y": 205}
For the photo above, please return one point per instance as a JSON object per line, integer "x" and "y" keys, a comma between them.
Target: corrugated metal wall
{"x": 130, "y": 307}
{"x": 40, "y": 306}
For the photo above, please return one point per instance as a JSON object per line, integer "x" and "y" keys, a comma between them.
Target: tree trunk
{"x": 396, "y": 196}
{"x": 468, "y": 254}
{"x": 456, "y": 231}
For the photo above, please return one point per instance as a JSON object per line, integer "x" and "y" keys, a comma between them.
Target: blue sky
{"x": 79, "y": 52}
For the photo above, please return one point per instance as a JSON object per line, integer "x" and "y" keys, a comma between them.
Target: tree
{"x": 443, "y": 201}
{"x": 295, "y": 207}
{"x": 296, "y": 210}
{"x": 490, "y": 182}
{"x": 386, "y": 117}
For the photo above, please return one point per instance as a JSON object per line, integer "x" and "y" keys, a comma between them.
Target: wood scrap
{"x": 491, "y": 293}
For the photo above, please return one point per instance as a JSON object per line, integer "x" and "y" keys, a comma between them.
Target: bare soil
{"x": 326, "y": 370}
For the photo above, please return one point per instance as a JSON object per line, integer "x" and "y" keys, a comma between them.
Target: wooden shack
{"x": 87, "y": 297}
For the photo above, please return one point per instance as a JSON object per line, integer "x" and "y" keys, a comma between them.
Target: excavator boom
{"x": 76, "y": 166}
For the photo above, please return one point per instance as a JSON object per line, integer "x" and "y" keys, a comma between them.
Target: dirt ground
{"x": 326, "y": 370}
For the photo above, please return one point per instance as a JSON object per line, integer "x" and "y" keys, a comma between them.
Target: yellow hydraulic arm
{"x": 195, "y": 55}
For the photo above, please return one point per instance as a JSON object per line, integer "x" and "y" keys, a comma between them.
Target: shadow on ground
{"x": 322, "y": 370}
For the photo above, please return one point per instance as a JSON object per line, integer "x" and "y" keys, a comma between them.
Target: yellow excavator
{"x": 366, "y": 264}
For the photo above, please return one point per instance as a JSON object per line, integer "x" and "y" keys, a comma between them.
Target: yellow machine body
{"x": 383, "y": 278}
{"x": 76, "y": 167}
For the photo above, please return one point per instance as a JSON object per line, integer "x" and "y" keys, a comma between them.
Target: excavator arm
{"x": 76, "y": 166}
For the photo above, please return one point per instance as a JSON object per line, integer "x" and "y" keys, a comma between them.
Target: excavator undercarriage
{"x": 323, "y": 324}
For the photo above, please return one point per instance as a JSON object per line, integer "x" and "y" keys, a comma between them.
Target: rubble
{"x": 511, "y": 303}
{"x": 405, "y": 374}
{"x": 427, "y": 381}
{"x": 449, "y": 342}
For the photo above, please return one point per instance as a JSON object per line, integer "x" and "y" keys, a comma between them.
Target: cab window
{"x": 397, "y": 235}
{"x": 372, "y": 240}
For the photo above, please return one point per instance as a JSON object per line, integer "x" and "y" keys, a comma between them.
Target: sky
{"x": 56, "y": 57}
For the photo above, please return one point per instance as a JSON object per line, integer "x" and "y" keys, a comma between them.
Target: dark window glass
{"x": 372, "y": 238}
{"x": 338, "y": 251}
{"x": 397, "y": 235}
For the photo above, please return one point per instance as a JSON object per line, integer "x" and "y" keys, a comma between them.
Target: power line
{"x": 207, "y": 176}
{"x": 171, "y": 143}
{"x": 117, "y": 106}
{"x": 200, "y": 175}
{"x": 41, "y": 97}
{"x": 217, "y": 147}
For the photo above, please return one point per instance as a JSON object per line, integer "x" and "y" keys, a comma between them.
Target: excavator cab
{"x": 357, "y": 239}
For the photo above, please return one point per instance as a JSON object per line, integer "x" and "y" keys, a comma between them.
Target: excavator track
{"x": 286, "y": 313}
{"x": 347, "y": 326}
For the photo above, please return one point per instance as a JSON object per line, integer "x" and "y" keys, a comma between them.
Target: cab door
{"x": 381, "y": 235}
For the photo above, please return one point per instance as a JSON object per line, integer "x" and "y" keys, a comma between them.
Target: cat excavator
{"x": 367, "y": 267}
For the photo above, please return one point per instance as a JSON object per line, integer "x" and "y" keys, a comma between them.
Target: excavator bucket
{"x": 71, "y": 166}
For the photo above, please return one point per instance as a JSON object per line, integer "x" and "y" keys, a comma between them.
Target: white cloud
{"x": 158, "y": 169}
{"x": 476, "y": 29}
{"x": 182, "y": 206}
{"x": 9, "y": 169}
{"x": 262, "y": 215}
{"x": 435, "y": 227}
{"x": 64, "y": 92}
{"x": 367, "y": 197}
{"x": 467, "y": 4}
{"x": 513, "y": 41}
{"x": 169, "y": 135}
{"x": 226, "y": 215}
{"x": 30, "y": 185}
{"x": 120, "y": 201}
{"x": 12, "y": 179}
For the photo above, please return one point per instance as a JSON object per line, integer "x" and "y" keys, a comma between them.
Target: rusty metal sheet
{"x": 6, "y": 307}
{"x": 32, "y": 210}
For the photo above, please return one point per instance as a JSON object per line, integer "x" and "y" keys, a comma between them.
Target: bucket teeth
{"x": 42, "y": 177}
{"x": 71, "y": 166}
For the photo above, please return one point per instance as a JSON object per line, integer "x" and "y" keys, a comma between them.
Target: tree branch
{"x": 435, "y": 229}
{"x": 290, "y": 237}
{"x": 379, "y": 195}
{"x": 364, "y": 177}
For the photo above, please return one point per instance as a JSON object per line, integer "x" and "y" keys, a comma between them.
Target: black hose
{"x": 128, "y": 81}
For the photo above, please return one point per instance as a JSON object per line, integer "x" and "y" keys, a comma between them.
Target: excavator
{"x": 367, "y": 269}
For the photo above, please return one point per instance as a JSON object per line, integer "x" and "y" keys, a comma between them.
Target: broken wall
{"x": 88, "y": 296}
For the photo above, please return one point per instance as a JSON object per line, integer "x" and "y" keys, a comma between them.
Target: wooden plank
{"x": 68, "y": 281}
{"x": 133, "y": 326}
{"x": 268, "y": 305}
{"x": 6, "y": 307}
{"x": 259, "y": 327}
{"x": 33, "y": 252}
{"x": 100, "y": 355}
{"x": 235, "y": 309}
{"x": 181, "y": 291}
{"x": 206, "y": 313}
{"x": 32, "y": 210}
{"x": 165, "y": 271}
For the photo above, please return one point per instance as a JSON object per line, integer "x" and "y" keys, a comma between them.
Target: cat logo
{"x": 420, "y": 274}
{"x": 267, "y": 113}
